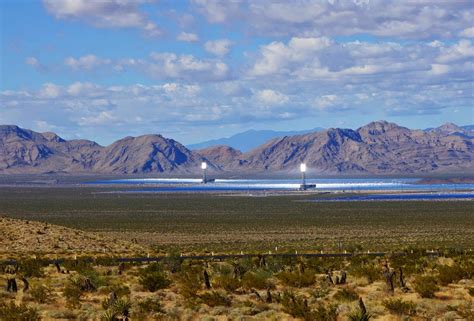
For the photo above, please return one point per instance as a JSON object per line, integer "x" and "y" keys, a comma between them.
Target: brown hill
{"x": 30, "y": 237}
{"x": 220, "y": 154}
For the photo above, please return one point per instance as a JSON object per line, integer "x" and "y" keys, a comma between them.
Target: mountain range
{"x": 376, "y": 148}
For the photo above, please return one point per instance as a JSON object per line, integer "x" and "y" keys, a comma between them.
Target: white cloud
{"x": 104, "y": 13}
{"x": 101, "y": 118}
{"x": 169, "y": 65}
{"x": 187, "y": 37}
{"x": 326, "y": 101}
{"x": 468, "y": 32}
{"x": 277, "y": 57}
{"x": 271, "y": 97}
{"x": 310, "y": 18}
{"x": 49, "y": 90}
{"x": 87, "y": 62}
{"x": 219, "y": 47}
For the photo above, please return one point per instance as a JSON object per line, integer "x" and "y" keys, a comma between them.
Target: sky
{"x": 200, "y": 69}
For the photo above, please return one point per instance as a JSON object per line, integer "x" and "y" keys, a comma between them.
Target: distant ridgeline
{"x": 377, "y": 148}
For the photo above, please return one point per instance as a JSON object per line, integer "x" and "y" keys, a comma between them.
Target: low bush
{"x": 215, "y": 298}
{"x": 471, "y": 291}
{"x": 41, "y": 293}
{"x": 259, "y": 279}
{"x": 150, "y": 305}
{"x": 227, "y": 282}
{"x": 153, "y": 278}
{"x": 297, "y": 278}
{"x": 425, "y": 286}
{"x": 31, "y": 268}
{"x": 12, "y": 312}
{"x": 368, "y": 270}
{"x": 296, "y": 306}
{"x": 449, "y": 274}
{"x": 346, "y": 294}
{"x": 399, "y": 307}
{"x": 189, "y": 281}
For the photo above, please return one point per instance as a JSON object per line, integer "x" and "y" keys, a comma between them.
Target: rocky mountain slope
{"x": 26, "y": 151}
{"x": 379, "y": 148}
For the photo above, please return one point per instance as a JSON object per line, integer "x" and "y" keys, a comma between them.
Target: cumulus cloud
{"x": 271, "y": 97}
{"x": 219, "y": 47}
{"x": 170, "y": 65}
{"x": 49, "y": 90}
{"x": 317, "y": 59}
{"x": 403, "y": 19}
{"x": 468, "y": 32}
{"x": 187, "y": 37}
{"x": 104, "y": 13}
{"x": 87, "y": 62}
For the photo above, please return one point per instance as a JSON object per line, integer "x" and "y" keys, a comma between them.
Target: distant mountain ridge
{"x": 249, "y": 139}
{"x": 376, "y": 148}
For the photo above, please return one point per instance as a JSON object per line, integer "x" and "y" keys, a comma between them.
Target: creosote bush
{"x": 41, "y": 293}
{"x": 12, "y": 312}
{"x": 189, "y": 281}
{"x": 215, "y": 298}
{"x": 298, "y": 307}
{"x": 346, "y": 294}
{"x": 425, "y": 286}
{"x": 259, "y": 279}
{"x": 153, "y": 278}
{"x": 450, "y": 274}
{"x": 399, "y": 306}
{"x": 297, "y": 278}
{"x": 150, "y": 305}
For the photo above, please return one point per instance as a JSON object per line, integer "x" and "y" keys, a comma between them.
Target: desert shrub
{"x": 449, "y": 274}
{"x": 150, "y": 305}
{"x": 466, "y": 310}
{"x": 72, "y": 293}
{"x": 225, "y": 278}
{"x": 325, "y": 313}
{"x": 173, "y": 262}
{"x": 368, "y": 270}
{"x": 346, "y": 294}
{"x": 189, "y": 281}
{"x": 399, "y": 307}
{"x": 425, "y": 286}
{"x": 75, "y": 288}
{"x": 12, "y": 312}
{"x": 31, "y": 268}
{"x": 215, "y": 298}
{"x": 295, "y": 306}
{"x": 81, "y": 266}
{"x": 321, "y": 291}
{"x": 296, "y": 278}
{"x": 153, "y": 278}
{"x": 471, "y": 291}
{"x": 41, "y": 293}
{"x": 259, "y": 279}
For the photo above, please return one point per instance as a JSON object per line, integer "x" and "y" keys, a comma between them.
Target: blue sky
{"x": 196, "y": 70}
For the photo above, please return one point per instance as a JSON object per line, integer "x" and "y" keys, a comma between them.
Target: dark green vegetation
{"x": 196, "y": 222}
